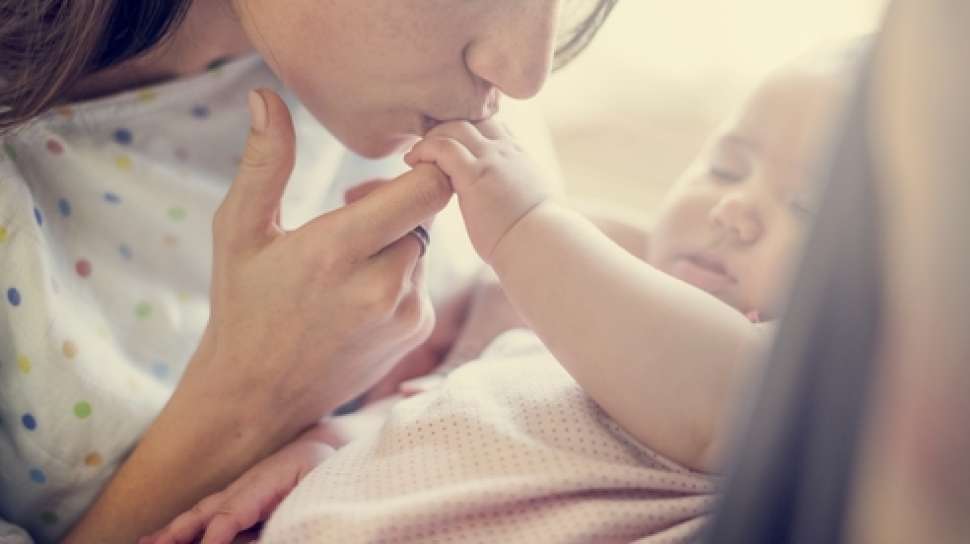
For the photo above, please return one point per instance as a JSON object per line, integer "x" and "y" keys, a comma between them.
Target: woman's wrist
{"x": 249, "y": 415}
{"x": 208, "y": 434}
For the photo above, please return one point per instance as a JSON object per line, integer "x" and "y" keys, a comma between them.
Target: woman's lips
{"x": 428, "y": 123}
{"x": 703, "y": 272}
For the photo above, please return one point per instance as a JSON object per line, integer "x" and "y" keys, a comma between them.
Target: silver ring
{"x": 423, "y": 237}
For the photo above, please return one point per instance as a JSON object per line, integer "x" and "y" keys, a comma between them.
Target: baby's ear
{"x": 361, "y": 190}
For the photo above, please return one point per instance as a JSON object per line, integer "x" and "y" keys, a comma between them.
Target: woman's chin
{"x": 381, "y": 146}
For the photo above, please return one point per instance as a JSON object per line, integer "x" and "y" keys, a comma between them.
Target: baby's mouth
{"x": 704, "y": 272}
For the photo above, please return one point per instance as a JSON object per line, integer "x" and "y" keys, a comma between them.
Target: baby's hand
{"x": 220, "y": 517}
{"x": 496, "y": 182}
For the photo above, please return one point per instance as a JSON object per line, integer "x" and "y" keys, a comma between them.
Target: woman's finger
{"x": 388, "y": 212}
{"x": 361, "y": 190}
{"x": 392, "y": 270}
{"x": 251, "y": 208}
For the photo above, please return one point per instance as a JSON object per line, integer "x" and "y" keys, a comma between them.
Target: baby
{"x": 610, "y": 428}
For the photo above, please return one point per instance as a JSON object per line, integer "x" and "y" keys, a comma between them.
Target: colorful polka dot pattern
{"x": 121, "y": 230}
{"x": 13, "y": 296}
{"x": 69, "y": 349}
{"x": 23, "y": 363}
{"x": 64, "y": 208}
{"x": 82, "y": 409}
{"x": 29, "y": 422}
{"x": 38, "y": 476}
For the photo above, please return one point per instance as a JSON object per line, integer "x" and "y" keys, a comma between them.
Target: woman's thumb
{"x": 267, "y": 162}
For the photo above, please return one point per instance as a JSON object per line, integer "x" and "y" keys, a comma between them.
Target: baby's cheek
{"x": 773, "y": 278}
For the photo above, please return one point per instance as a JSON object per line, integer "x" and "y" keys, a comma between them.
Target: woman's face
{"x": 379, "y": 73}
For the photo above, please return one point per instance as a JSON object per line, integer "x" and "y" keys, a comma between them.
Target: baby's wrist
{"x": 508, "y": 250}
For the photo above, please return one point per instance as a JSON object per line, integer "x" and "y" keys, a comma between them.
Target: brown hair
{"x": 46, "y": 46}
{"x": 578, "y": 34}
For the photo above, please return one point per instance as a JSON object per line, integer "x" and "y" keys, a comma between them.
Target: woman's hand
{"x": 305, "y": 320}
{"x": 496, "y": 181}
{"x": 249, "y": 500}
{"x": 301, "y": 321}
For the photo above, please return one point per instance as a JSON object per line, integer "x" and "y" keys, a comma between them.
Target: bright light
{"x": 632, "y": 110}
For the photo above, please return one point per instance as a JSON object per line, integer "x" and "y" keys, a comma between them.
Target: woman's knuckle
{"x": 381, "y": 300}
{"x": 220, "y": 221}
{"x": 408, "y": 313}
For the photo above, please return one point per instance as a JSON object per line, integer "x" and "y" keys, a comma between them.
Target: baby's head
{"x": 734, "y": 221}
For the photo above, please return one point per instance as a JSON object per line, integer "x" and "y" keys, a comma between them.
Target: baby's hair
{"x": 47, "y": 46}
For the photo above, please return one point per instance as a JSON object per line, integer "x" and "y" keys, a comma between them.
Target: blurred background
{"x": 630, "y": 112}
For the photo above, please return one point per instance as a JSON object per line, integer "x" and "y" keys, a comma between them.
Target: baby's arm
{"x": 666, "y": 360}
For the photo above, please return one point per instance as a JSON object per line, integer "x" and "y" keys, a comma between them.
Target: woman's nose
{"x": 515, "y": 54}
{"x": 739, "y": 217}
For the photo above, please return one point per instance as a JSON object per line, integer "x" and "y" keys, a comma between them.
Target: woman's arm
{"x": 300, "y": 322}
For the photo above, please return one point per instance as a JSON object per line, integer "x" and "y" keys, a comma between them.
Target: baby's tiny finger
{"x": 224, "y": 528}
{"x": 423, "y": 384}
{"x": 463, "y": 132}
{"x": 492, "y": 129}
{"x": 450, "y": 155}
{"x": 245, "y": 508}
{"x": 190, "y": 524}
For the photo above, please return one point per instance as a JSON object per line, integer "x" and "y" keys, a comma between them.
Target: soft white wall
{"x": 632, "y": 110}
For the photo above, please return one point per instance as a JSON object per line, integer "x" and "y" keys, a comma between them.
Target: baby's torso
{"x": 509, "y": 449}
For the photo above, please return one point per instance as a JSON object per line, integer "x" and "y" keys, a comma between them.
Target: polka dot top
{"x": 509, "y": 449}
{"x": 105, "y": 259}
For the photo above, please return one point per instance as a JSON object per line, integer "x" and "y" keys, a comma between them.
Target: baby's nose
{"x": 739, "y": 217}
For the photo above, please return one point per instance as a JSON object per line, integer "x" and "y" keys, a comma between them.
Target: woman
{"x": 131, "y": 385}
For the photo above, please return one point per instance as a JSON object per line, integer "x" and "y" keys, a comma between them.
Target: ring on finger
{"x": 423, "y": 238}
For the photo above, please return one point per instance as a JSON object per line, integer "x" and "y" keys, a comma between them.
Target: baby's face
{"x": 380, "y": 73}
{"x": 733, "y": 222}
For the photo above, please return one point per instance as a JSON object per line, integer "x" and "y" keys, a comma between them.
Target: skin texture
{"x": 745, "y": 203}
{"x": 338, "y": 317}
{"x": 371, "y": 71}
{"x": 729, "y": 230}
{"x": 743, "y": 199}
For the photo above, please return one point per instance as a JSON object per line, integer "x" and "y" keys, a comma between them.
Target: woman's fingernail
{"x": 257, "y": 111}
